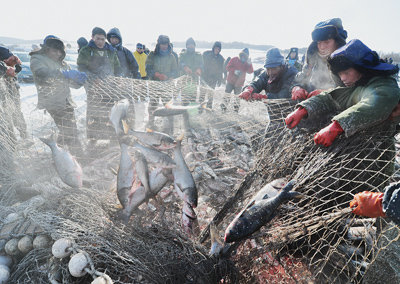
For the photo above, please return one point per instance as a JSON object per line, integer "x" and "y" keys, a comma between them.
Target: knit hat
{"x": 217, "y": 44}
{"x": 190, "y": 41}
{"x": 98, "y": 31}
{"x": 357, "y": 54}
{"x": 274, "y": 58}
{"x": 330, "y": 29}
{"x": 163, "y": 39}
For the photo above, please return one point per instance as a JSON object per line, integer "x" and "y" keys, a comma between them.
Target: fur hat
{"x": 330, "y": 29}
{"x": 163, "y": 39}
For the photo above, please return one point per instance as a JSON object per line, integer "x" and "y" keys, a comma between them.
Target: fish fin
{"x": 180, "y": 137}
{"x": 125, "y": 126}
{"x": 169, "y": 104}
{"x": 149, "y": 130}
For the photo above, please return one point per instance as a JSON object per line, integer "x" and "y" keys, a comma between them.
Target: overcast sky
{"x": 283, "y": 23}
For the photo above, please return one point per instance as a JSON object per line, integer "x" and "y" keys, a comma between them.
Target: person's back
{"x": 141, "y": 58}
{"x": 213, "y": 65}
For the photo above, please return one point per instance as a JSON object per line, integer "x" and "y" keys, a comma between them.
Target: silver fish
{"x": 142, "y": 170}
{"x": 190, "y": 223}
{"x": 180, "y": 107}
{"x": 67, "y": 167}
{"x": 269, "y": 190}
{"x": 183, "y": 180}
{"x": 119, "y": 112}
{"x": 160, "y": 141}
{"x": 257, "y": 214}
{"x": 163, "y": 111}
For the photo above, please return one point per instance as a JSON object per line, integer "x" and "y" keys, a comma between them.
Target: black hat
{"x": 217, "y": 44}
{"x": 53, "y": 42}
{"x": 82, "y": 42}
{"x": 98, "y": 31}
{"x": 190, "y": 41}
{"x": 330, "y": 29}
{"x": 163, "y": 39}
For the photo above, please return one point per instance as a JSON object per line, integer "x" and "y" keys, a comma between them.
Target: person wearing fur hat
{"x": 292, "y": 59}
{"x": 213, "y": 65}
{"x": 275, "y": 80}
{"x": 368, "y": 98}
{"x": 191, "y": 61}
{"x": 161, "y": 63}
{"x": 128, "y": 65}
{"x": 53, "y": 79}
{"x": 237, "y": 68}
{"x": 315, "y": 76}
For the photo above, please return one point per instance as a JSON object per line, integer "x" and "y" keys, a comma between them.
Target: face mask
{"x": 164, "y": 52}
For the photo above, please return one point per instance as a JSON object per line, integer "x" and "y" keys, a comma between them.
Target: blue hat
{"x": 354, "y": 54}
{"x": 274, "y": 58}
{"x": 139, "y": 45}
{"x": 329, "y": 29}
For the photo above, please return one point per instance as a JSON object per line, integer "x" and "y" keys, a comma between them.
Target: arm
{"x": 133, "y": 65}
{"x": 150, "y": 65}
{"x": 231, "y": 65}
{"x": 115, "y": 63}
{"x": 83, "y": 60}
{"x": 42, "y": 71}
{"x": 287, "y": 83}
{"x": 261, "y": 82}
{"x": 323, "y": 103}
{"x": 174, "y": 68}
{"x": 250, "y": 69}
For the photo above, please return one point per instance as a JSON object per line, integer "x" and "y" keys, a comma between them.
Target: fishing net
{"x": 232, "y": 148}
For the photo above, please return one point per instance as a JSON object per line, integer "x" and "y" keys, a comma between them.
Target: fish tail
{"x": 286, "y": 192}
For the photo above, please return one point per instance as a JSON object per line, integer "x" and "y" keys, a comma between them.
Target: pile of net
{"x": 232, "y": 148}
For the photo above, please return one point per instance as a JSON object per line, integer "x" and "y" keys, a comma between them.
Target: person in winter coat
{"x": 191, "y": 61}
{"x": 237, "y": 68}
{"x": 141, "y": 58}
{"x": 275, "y": 80}
{"x": 161, "y": 64}
{"x": 292, "y": 59}
{"x": 315, "y": 76}
{"x": 98, "y": 58}
{"x": 128, "y": 66}
{"x": 368, "y": 98}
{"x": 53, "y": 79}
{"x": 213, "y": 65}
{"x": 82, "y": 42}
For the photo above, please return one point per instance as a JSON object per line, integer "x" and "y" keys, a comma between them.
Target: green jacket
{"x": 193, "y": 60}
{"x": 53, "y": 88}
{"x": 359, "y": 107}
{"x": 162, "y": 64}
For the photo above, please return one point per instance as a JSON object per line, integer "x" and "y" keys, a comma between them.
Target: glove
{"x": 160, "y": 76}
{"x": 198, "y": 72}
{"x": 246, "y": 94}
{"x": 314, "y": 93}
{"x": 294, "y": 117}
{"x": 187, "y": 70}
{"x": 12, "y": 61}
{"x": 75, "y": 75}
{"x": 258, "y": 97}
{"x": 18, "y": 68}
{"x": 299, "y": 93}
{"x": 237, "y": 72}
{"x": 327, "y": 135}
{"x": 11, "y": 72}
{"x": 368, "y": 204}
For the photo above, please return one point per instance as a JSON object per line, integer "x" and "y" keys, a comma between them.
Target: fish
{"x": 190, "y": 223}
{"x": 142, "y": 171}
{"x": 183, "y": 180}
{"x": 257, "y": 214}
{"x": 170, "y": 105}
{"x": 163, "y": 111}
{"x": 67, "y": 166}
{"x": 269, "y": 190}
{"x": 158, "y": 140}
{"x": 119, "y": 112}
{"x": 217, "y": 245}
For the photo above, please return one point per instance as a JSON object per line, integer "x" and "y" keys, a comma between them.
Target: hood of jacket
{"x": 116, "y": 33}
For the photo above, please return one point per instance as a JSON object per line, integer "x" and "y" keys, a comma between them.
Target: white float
{"x": 77, "y": 265}
{"x": 25, "y": 244}
{"x": 11, "y": 247}
{"x": 60, "y": 248}
{"x": 4, "y": 274}
{"x": 41, "y": 241}
{"x": 103, "y": 279}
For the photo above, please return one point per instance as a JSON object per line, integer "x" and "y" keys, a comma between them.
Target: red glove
{"x": 187, "y": 70}
{"x": 368, "y": 204}
{"x": 326, "y": 135}
{"x": 12, "y": 61}
{"x": 11, "y": 72}
{"x": 258, "y": 97}
{"x": 314, "y": 93}
{"x": 198, "y": 72}
{"x": 299, "y": 93}
{"x": 294, "y": 117}
{"x": 160, "y": 76}
{"x": 246, "y": 94}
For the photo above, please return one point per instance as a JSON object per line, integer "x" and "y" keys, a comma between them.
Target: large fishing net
{"x": 233, "y": 148}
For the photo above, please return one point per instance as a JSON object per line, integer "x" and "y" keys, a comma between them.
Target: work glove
{"x": 258, "y": 97}
{"x": 187, "y": 70}
{"x": 294, "y": 117}
{"x": 75, "y": 75}
{"x": 11, "y": 72}
{"x": 327, "y": 135}
{"x": 160, "y": 76}
{"x": 18, "y": 68}
{"x": 314, "y": 93}
{"x": 12, "y": 61}
{"x": 237, "y": 72}
{"x": 299, "y": 93}
{"x": 246, "y": 94}
{"x": 198, "y": 72}
{"x": 368, "y": 204}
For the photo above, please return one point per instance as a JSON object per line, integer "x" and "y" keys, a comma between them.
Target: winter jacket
{"x": 193, "y": 60}
{"x": 244, "y": 67}
{"x": 213, "y": 67}
{"x": 101, "y": 62}
{"x": 141, "y": 61}
{"x": 164, "y": 64}
{"x": 53, "y": 88}
{"x": 129, "y": 67}
{"x": 315, "y": 73}
{"x": 279, "y": 89}
{"x": 359, "y": 107}
{"x": 391, "y": 202}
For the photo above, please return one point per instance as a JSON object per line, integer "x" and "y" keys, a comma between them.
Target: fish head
{"x": 190, "y": 195}
{"x": 236, "y": 230}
